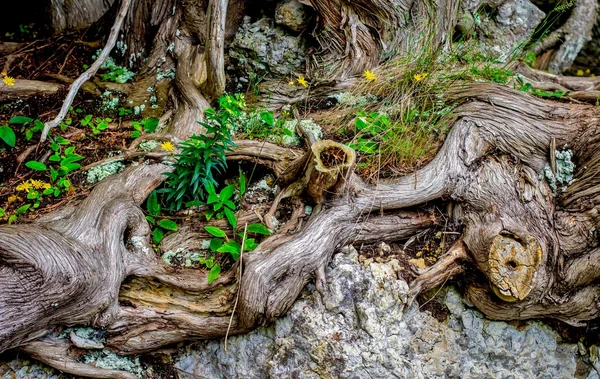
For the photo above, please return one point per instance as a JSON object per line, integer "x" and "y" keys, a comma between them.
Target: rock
{"x": 361, "y": 328}
{"x": 293, "y": 14}
{"x": 261, "y": 47}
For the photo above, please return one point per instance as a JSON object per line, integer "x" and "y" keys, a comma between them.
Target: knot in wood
{"x": 512, "y": 266}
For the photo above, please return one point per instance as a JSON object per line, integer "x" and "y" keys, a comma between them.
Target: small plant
{"x": 64, "y": 164}
{"x": 114, "y": 72}
{"x": 97, "y": 124}
{"x": 200, "y": 157}
{"x": 161, "y": 226}
{"x": 493, "y": 74}
{"x": 147, "y": 125}
{"x": 7, "y": 135}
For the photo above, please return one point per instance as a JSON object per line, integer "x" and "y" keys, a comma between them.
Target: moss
{"x": 96, "y": 174}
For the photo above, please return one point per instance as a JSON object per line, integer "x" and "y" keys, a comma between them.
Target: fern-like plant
{"x": 200, "y": 157}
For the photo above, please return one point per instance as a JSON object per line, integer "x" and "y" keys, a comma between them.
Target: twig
{"x": 237, "y": 297}
{"x": 112, "y": 39}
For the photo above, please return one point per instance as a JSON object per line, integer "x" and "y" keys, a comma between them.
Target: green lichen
{"x": 109, "y": 360}
{"x": 182, "y": 257}
{"x": 149, "y": 145}
{"x": 350, "y": 100}
{"x": 308, "y": 125}
{"x": 564, "y": 170}
{"x": 96, "y": 174}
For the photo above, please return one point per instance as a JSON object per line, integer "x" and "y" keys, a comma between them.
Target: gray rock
{"x": 261, "y": 47}
{"x": 361, "y": 328}
{"x": 293, "y": 14}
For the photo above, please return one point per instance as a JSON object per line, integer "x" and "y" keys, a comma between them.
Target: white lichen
{"x": 96, "y": 174}
{"x": 294, "y": 138}
{"x": 109, "y": 360}
{"x": 350, "y": 100}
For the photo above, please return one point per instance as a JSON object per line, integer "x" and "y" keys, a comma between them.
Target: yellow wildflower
{"x": 302, "y": 81}
{"x": 25, "y": 186}
{"x": 46, "y": 185}
{"x": 587, "y": 71}
{"x": 3, "y": 73}
{"x": 167, "y": 146}
{"x": 579, "y": 72}
{"x": 11, "y": 199}
{"x": 37, "y": 184}
{"x": 419, "y": 77}
{"x": 9, "y": 81}
{"x": 370, "y": 76}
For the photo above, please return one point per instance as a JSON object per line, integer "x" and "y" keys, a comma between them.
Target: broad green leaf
{"x": 213, "y": 230}
{"x": 250, "y": 244}
{"x": 35, "y": 165}
{"x": 168, "y": 225}
{"x": 7, "y": 135}
{"x": 232, "y": 248}
{"x": 20, "y": 120}
{"x": 152, "y": 204}
{"x": 230, "y": 217}
{"x": 158, "y": 235}
{"x": 226, "y": 192}
{"x": 150, "y": 124}
{"x": 214, "y": 273}
{"x": 151, "y": 220}
{"x": 2, "y": 212}
{"x": 258, "y": 229}
{"x": 268, "y": 118}
{"x": 215, "y": 243}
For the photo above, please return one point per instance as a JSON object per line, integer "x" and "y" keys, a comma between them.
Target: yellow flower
{"x": 3, "y": 73}
{"x": 587, "y": 71}
{"x": 11, "y": 199}
{"x": 302, "y": 81}
{"x": 291, "y": 83}
{"x": 579, "y": 72}
{"x": 25, "y": 186}
{"x": 419, "y": 77}
{"x": 370, "y": 76}
{"x": 37, "y": 184}
{"x": 46, "y": 185}
{"x": 9, "y": 81}
{"x": 167, "y": 146}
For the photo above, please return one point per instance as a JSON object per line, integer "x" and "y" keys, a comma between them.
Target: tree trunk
{"x": 93, "y": 264}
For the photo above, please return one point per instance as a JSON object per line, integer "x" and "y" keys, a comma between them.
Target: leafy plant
{"x": 63, "y": 164}
{"x": 161, "y": 226}
{"x": 200, "y": 157}
{"x": 147, "y": 125}
{"x": 97, "y": 124}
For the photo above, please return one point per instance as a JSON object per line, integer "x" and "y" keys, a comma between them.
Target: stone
{"x": 293, "y": 14}
{"x": 261, "y": 47}
{"x": 361, "y": 328}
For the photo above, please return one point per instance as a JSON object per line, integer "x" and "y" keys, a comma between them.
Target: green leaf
{"x": 150, "y": 124}
{"x": 54, "y": 158}
{"x": 168, "y": 225}
{"x": 2, "y": 212}
{"x": 158, "y": 235}
{"x": 151, "y": 220}
{"x": 227, "y": 192}
{"x": 35, "y": 165}
{"x": 250, "y": 244}
{"x": 232, "y": 248}
{"x": 7, "y": 135}
{"x": 22, "y": 209}
{"x": 152, "y": 204}
{"x": 215, "y": 244}
{"x": 267, "y": 117}
{"x": 20, "y": 120}
{"x": 213, "y": 230}
{"x": 214, "y": 273}
{"x": 258, "y": 229}
{"x": 230, "y": 217}
{"x": 242, "y": 183}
